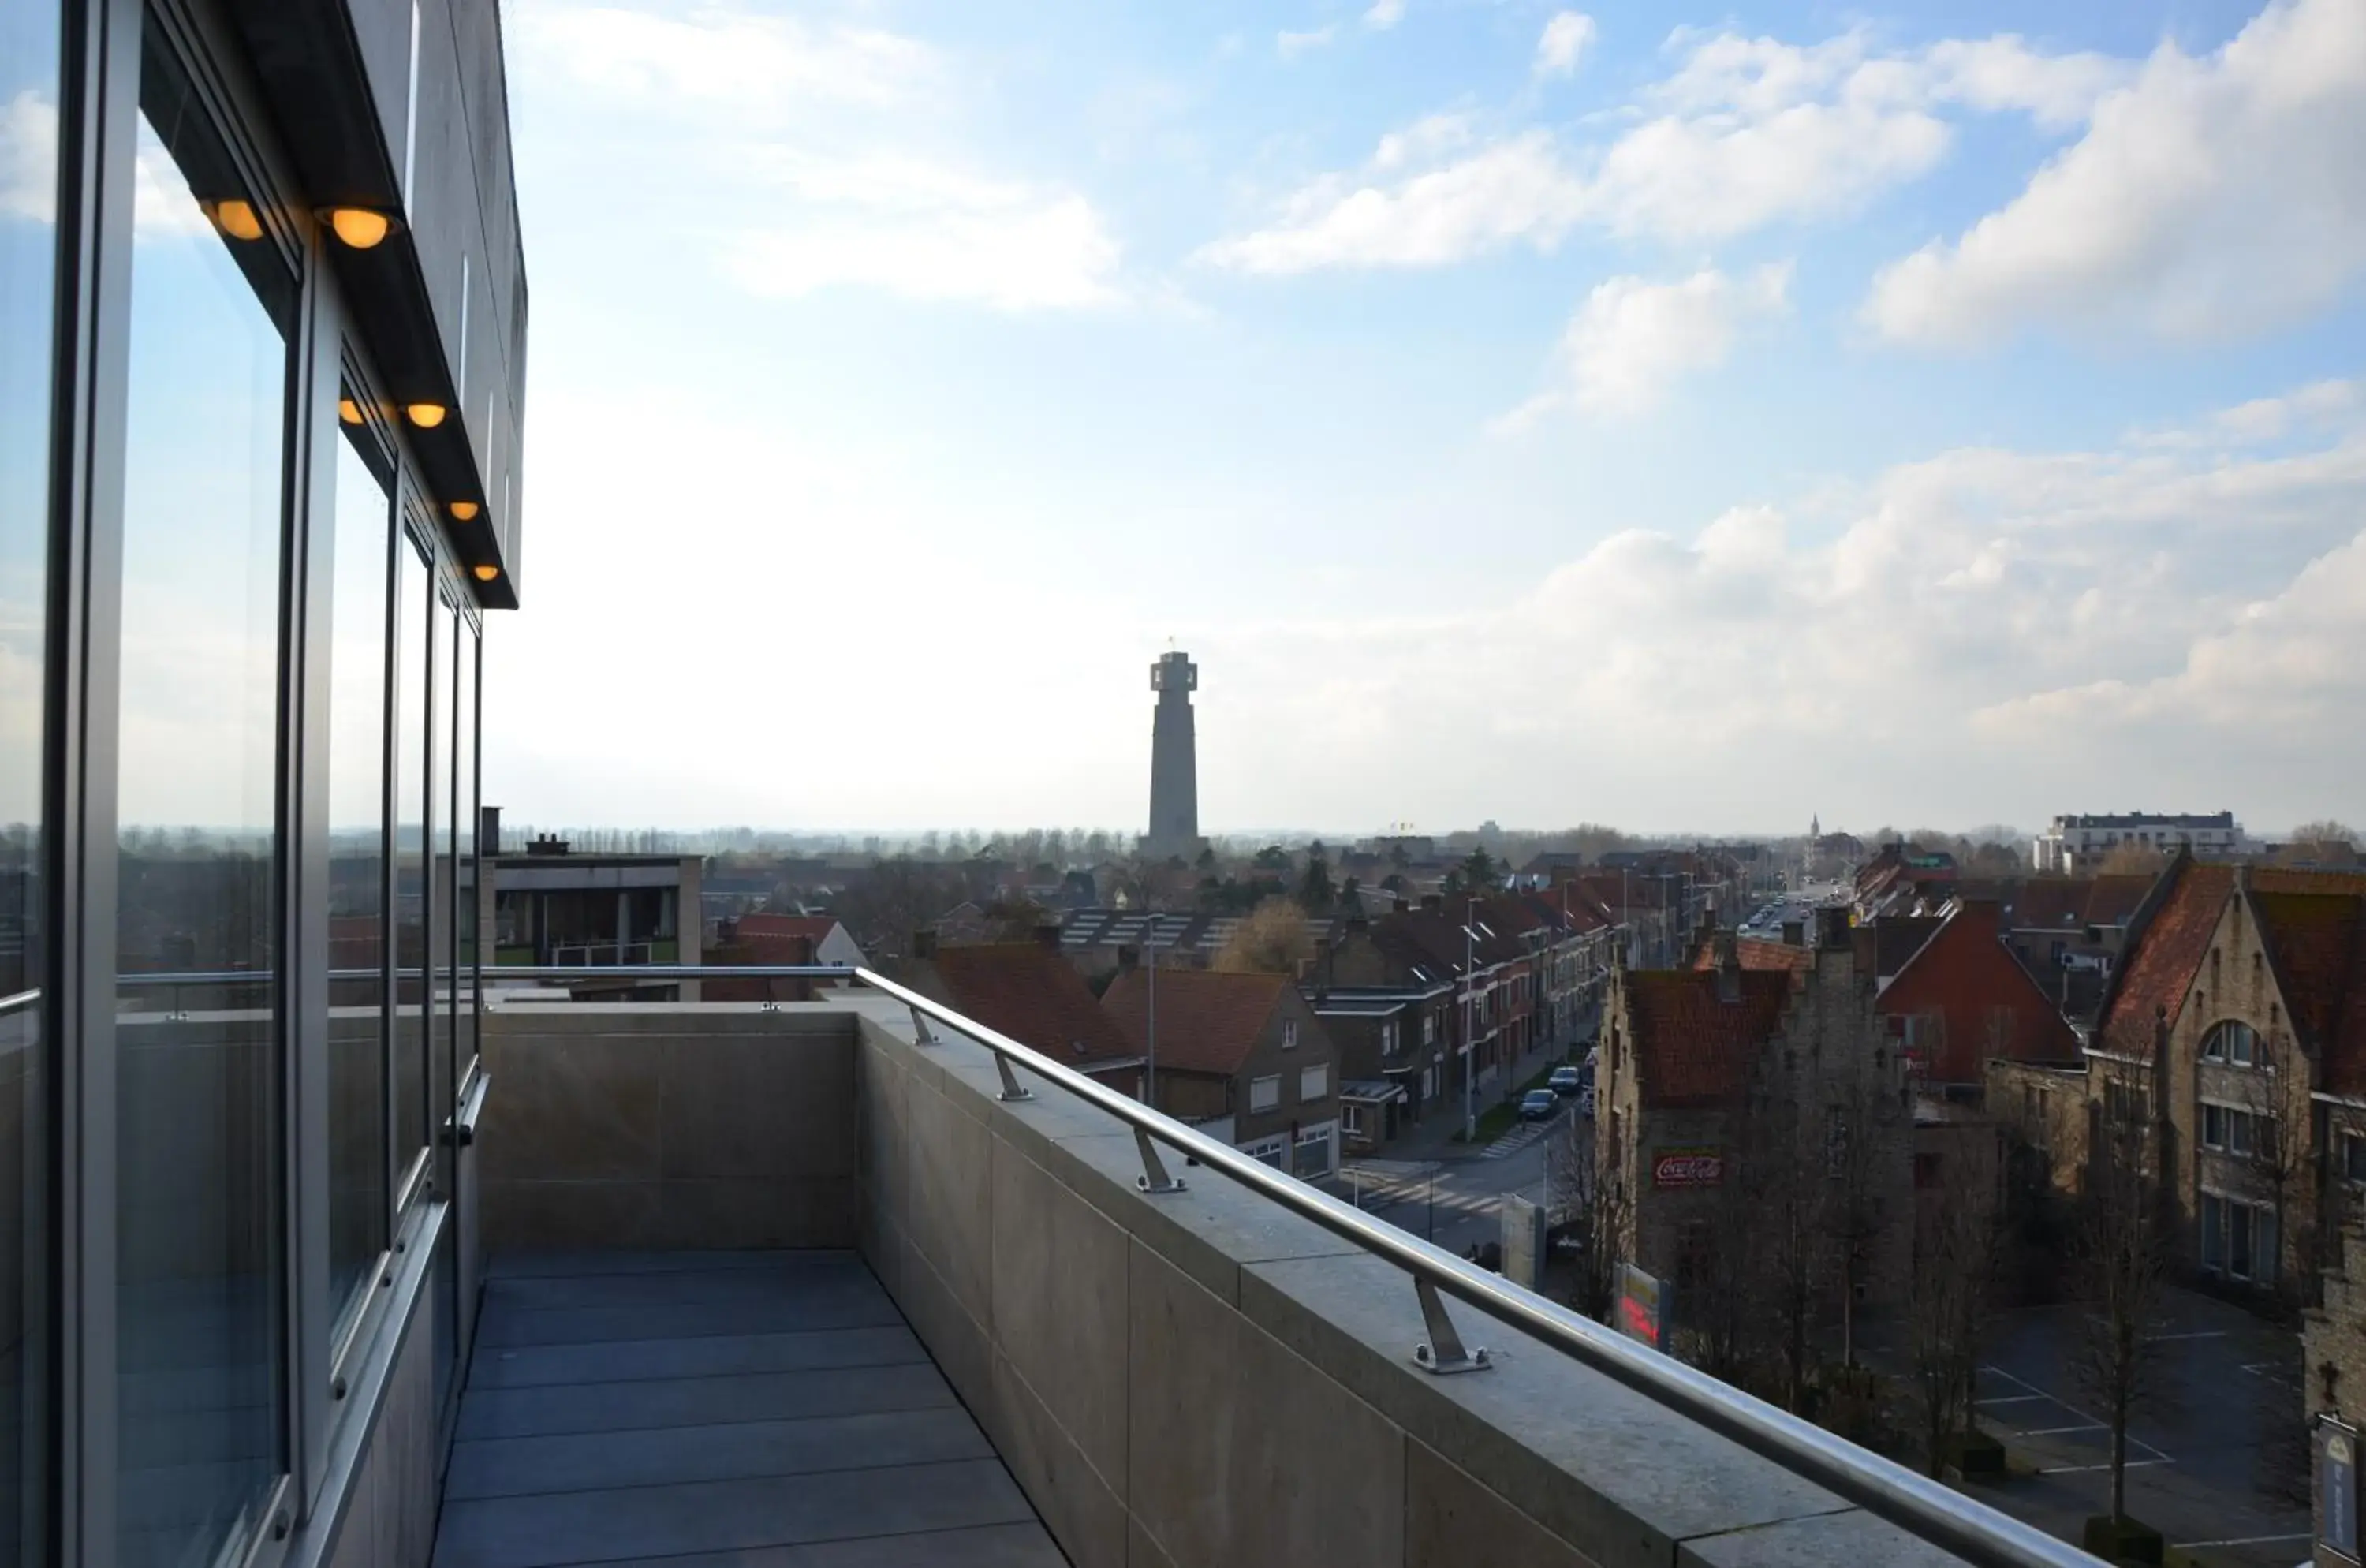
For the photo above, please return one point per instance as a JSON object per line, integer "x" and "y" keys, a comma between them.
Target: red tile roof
{"x": 1209, "y": 1021}
{"x": 1753, "y": 952}
{"x": 2053, "y": 903}
{"x": 1031, "y": 993}
{"x": 2315, "y": 925}
{"x": 813, "y": 928}
{"x": 1691, "y": 1048}
{"x": 1987, "y": 1004}
{"x": 2157, "y": 972}
{"x": 2313, "y": 937}
{"x": 2114, "y": 900}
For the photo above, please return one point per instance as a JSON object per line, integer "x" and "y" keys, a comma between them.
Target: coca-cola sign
{"x": 1702, "y": 1167}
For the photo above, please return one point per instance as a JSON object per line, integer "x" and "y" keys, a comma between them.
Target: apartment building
{"x": 2076, "y": 845}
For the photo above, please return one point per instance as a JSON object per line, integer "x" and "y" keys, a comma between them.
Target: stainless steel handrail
{"x": 1916, "y": 1504}
{"x": 492, "y": 972}
{"x": 9, "y": 1004}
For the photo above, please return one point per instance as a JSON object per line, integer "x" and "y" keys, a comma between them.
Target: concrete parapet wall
{"x": 1203, "y": 1378}
{"x": 638, "y": 1126}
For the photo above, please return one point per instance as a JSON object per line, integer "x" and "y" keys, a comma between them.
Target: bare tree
{"x": 1863, "y": 1166}
{"x": 2132, "y": 860}
{"x": 1717, "y": 1269}
{"x": 2120, "y": 1249}
{"x": 1591, "y": 1207}
{"x": 897, "y": 898}
{"x": 1274, "y": 938}
{"x": 1958, "y": 1243}
{"x": 1753, "y": 1288}
{"x": 2278, "y": 1158}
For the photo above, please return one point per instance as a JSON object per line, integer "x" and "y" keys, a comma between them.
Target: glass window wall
{"x": 199, "y": 1136}
{"x": 28, "y": 134}
{"x": 363, "y": 539}
{"x": 413, "y": 606}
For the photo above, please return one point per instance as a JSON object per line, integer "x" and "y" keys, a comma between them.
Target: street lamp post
{"x": 1469, "y": 1016}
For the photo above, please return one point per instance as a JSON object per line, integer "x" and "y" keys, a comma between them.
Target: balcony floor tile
{"x": 760, "y": 1411}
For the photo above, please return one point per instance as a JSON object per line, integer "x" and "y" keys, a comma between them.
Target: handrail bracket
{"x": 1442, "y": 1354}
{"x": 1153, "y": 1178}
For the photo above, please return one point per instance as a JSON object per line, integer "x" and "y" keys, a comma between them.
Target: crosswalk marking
{"x": 1518, "y": 1138}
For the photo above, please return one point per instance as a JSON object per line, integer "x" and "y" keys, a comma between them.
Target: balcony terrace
{"x": 808, "y": 1284}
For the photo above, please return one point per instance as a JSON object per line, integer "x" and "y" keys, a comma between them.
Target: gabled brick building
{"x": 1692, "y": 1058}
{"x": 2236, "y": 1028}
{"x": 1244, "y": 1055}
{"x": 1963, "y": 999}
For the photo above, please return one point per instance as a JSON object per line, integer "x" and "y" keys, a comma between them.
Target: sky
{"x": 1944, "y": 413}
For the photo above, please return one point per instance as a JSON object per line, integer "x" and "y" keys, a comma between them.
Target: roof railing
{"x": 1920, "y": 1506}
{"x": 1915, "y": 1504}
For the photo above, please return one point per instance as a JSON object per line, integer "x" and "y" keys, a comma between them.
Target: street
{"x": 1454, "y": 1202}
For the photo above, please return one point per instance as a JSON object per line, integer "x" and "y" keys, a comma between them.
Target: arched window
{"x": 2231, "y": 1042}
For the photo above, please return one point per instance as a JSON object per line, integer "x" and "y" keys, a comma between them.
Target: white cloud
{"x": 1290, "y": 45}
{"x": 28, "y": 157}
{"x": 2309, "y": 410}
{"x": 930, "y": 232}
{"x": 1563, "y": 43}
{"x": 1742, "y": 133}
{"x": 1384, "y": 14}
{"x": 807, "y": 155}
{"x": 2005, "y": 631}
{"x": 1513, "y": 190}
{"x": 1712, "y": 176}
{"x": 2213, "y": 197}
{"x": 723, "y": 59}
{"x": 1633, "y": 338}
{"x": 2286, "y": 663}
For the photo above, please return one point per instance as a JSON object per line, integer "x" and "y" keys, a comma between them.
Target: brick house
{"x": 1690, "y": 1055}
{"x": 1961, "y": 999}
{"x": 1241, "y": 1055}
{"x": 2236, "y": 1025}
{"x": 1409, "y": 1036}
{"x": 1026, "y": 990}
{"x": 1490, "y": 992}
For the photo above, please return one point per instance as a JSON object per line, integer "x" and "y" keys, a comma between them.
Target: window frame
{"x": 1269, "y": 1085}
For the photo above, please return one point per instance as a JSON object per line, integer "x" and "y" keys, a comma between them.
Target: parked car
{"x": 1565, "y": 1080}
{"x": 1538, "y": 1104}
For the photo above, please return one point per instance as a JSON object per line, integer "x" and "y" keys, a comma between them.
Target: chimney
{"x": 1833, "y": 927}
{"x": 1128, "y": 959}
{"x": 924, "y": 944}
{"x": 1357, "y": 925}
{"x": 1434, "y": 902}
{"x": 1322, "y": 973}
{"x": 1727, "y": 961}
{"x": 1795, "y": 933}
{"x": 488, "y": 829}
{"x": 1400, "y": 905}
{"x": 546, "y": 844}
{"x": 1048, "y": 934}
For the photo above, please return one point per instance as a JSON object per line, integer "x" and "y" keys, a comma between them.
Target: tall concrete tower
{"x": 1173, "y": 759}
